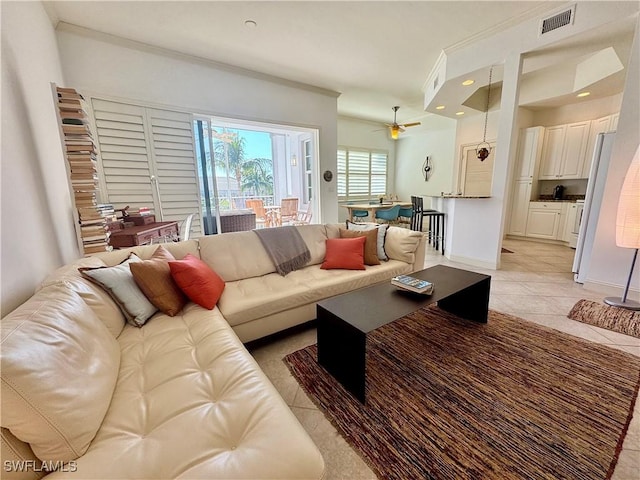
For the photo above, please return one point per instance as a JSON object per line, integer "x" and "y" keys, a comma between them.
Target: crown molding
{"x": 534, "y": 12}
{"x": 147, "y": 48}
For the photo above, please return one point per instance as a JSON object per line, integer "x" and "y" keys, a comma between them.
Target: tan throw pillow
{"x": 370, "y": 244}
{"x": 153, "y": 276}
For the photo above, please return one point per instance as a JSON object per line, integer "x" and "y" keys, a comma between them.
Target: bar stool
{"x": 435, "y": 232}
{"x": 436, "y": 229}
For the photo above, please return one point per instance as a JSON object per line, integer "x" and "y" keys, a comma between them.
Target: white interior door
{"x": 476, "y": 176}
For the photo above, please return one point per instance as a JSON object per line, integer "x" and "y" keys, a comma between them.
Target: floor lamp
{"x": 628, "y": 226}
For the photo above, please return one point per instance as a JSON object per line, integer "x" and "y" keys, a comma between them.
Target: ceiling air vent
{"x": 558, "y": 20}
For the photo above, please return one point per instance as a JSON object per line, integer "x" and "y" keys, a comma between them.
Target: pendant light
{"x": 483, "y": 149}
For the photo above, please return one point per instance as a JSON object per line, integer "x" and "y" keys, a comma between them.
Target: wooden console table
{"x": 142, "y": 234}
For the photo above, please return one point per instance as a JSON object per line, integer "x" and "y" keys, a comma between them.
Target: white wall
{"x": 37, "y": 223}
{"x": 609, "y": 266}
{"x": 103, "y": 65}
{"x": 576, "y": 112}
{"x": 354, "y": 132}
{"x": 436, "y": 138}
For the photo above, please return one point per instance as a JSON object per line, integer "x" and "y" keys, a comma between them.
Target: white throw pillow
{"x": 382, "y": 233}
{"x": 120, "y": 284}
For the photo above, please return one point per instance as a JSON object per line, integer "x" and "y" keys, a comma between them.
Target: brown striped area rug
{"x": 605, "y": 316}
{"x": 452, "y": 399}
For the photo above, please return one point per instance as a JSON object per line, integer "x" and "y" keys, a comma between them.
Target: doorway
{"x": 247, "y": 166}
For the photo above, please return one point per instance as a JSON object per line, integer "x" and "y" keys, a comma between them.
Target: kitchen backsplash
{"x": 572, "y": 188}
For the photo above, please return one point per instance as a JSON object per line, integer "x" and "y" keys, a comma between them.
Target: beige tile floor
{"x": 534, "y": 282}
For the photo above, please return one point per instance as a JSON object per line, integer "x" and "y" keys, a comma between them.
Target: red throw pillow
{"x": 196, "y": 279}
{"x": 345, "y": 253}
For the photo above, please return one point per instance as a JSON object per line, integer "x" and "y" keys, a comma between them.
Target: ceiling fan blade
{"x": 410, "y": 124}
{"x": 400, "y": 128}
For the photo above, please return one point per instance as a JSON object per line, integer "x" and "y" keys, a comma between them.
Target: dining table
{"x": 372, "y": 208}
{"x": 274, "y": 219}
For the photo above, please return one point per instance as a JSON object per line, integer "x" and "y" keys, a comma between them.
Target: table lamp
{"x": 628, "y": 226}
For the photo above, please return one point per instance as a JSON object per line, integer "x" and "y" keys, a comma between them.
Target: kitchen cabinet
{"x": 520, "y": 207}
{"x": 525, "y": 185}
{"x": 562, "y": 227}
{"x": 600, "y": 125}
{"x": 544, "y": 219}
{"x": 570, "y": 222}
{"x": 529, "y": 153}
{"x": 563, "y": 151}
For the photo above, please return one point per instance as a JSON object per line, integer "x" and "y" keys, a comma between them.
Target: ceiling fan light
{"x": 394, "y": 132}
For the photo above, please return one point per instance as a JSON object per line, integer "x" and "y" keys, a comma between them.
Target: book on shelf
{"x": 83, "y": 171}
{"x": 87, "y": 148}
{"x": 88, "y": 249}
{"x": 74, "y": 119}
{"x": 75, "y": 139}
{"x": 73, "y": 99}
{"x": 412, "y": 284}
{"x": 82, "y": 157}
{"x": 76, "y": 129}
{"x": 70, "y": 107}
{"x": 77, "y": 118}
{"x": 102, "y": 236}
{"x": 67, "y": 91}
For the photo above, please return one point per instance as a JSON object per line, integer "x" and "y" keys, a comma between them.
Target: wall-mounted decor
{"x": 426, "y": 168}
{"x": 327, "y": 175}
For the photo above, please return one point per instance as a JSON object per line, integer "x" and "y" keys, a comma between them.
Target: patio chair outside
{"x": 289, "y": 209}
{"x": 257, "y": 205}
{"x": 304, "y": 218}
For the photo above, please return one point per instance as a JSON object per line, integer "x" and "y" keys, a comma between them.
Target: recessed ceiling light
{"x": 466, "y": 83}
{"x": 584, "y": 94}
{"x": 440, "y": 107}
{"x": 250, "y": 24}
{"x": 459, "y": 113}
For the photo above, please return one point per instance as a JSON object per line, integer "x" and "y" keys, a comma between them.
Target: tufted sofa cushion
{"x": 192, "y": 403}
{"x": 59, "y": 367}
{"x": 252, "y": 298}
{"x": 94, "y": 296}
{"x": 236, "y": 255}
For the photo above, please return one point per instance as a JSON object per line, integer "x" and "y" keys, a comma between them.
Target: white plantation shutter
{"x": 147, "y": 159}
{"x": 378, "y": 174}
{"x": 342, "y": 173}
{"x": 362, "y": 174}
{"x": 124, "y": 155}
{"x": 175, "y": 166}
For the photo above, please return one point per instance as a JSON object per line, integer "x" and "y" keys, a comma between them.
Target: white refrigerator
{"x": 592, "y": 203}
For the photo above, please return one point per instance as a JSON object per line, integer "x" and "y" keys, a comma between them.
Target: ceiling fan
{"x": 394, "y": 128}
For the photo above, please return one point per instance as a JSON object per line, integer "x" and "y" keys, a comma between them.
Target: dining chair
{"x": 289, "y": 209}
{"x": 389, "y": 215}
{"x": 257, "y": 205}
{"x": 405, "y": 215}
{"x": 357, "y": 214}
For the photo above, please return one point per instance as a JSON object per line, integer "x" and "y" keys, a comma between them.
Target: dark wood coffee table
{"x": 345, "y": 320}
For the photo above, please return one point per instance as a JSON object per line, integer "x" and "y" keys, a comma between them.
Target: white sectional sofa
{"x": 180, "y": 397}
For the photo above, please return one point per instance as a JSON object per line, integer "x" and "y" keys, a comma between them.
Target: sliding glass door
{"x": 249, "y": 167}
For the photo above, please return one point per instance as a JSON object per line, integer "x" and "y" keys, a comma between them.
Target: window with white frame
{"x": 362, "y": 173}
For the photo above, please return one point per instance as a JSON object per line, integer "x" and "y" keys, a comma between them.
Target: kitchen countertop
{"x": 451, "y": 195}
{"x": 566, "y": 198}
